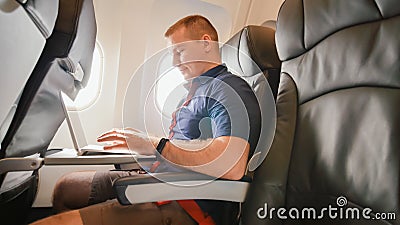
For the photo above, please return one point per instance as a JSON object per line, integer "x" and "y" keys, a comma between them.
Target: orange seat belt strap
{"x": 159, "y": 203}
{"x": 194, "y": 210}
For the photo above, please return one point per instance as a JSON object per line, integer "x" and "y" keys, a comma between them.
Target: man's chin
{"x": 186, "y": 76}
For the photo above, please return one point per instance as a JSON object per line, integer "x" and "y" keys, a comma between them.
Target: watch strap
{"x": 161, "y": 145}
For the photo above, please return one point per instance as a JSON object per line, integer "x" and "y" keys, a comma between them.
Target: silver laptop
{"x": 77, "y": 133}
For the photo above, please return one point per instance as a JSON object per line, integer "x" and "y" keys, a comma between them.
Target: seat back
{"x": 338, "y": 115}
{"x": 24, "y": 29}
{"x": 24, "y": 26}
{"x": 63, "y": 66}
{"x": 251, "y": 54}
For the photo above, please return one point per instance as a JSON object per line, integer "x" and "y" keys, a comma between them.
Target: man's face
{"x": 189, "y": 55}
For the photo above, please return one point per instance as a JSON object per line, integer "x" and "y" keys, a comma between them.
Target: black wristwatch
{"x": 161, "y": 145}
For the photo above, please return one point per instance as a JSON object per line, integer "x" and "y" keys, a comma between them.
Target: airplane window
{"x": 167, "y": 89}
{"x": 87, "y": 96}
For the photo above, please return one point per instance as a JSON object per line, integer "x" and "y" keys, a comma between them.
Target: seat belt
{"x": 194, "y": 210}
{"x": 190, "y": 206}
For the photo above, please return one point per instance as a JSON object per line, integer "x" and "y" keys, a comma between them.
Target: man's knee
{"x": 72, "y": 190}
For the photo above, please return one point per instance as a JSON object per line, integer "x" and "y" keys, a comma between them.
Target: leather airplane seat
{"x": 63, "y": 65}
{"x": 24, "y": 28}
{"x": 337, "y": 114}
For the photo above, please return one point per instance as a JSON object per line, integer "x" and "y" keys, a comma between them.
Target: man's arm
{"x": 223, "y": 157}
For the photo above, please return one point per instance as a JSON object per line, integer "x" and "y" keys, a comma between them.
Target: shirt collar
{"x": 207, "y": 76}
{"x": 213, "y": 72}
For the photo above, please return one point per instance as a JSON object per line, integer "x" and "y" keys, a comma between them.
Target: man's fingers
{"x": 115, "y": 131}
{"x": 112, "y": 137}
{"x": 117, "y": 145}
{"x": 111, "y": 132}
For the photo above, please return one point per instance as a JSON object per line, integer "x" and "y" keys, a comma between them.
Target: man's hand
{"x": 129, "y": 138}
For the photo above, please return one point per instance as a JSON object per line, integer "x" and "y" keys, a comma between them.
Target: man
{"x": 213, "y": 93}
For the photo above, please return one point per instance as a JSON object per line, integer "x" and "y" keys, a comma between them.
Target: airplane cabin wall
{"x": 263, "y": 10}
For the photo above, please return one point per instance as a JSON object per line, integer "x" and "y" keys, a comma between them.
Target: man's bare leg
{"x": 67, "y": 218}
{"x": 112, "y": 213}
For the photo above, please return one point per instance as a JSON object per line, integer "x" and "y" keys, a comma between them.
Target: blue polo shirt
{"x": 218, "y": 104}
{"x": 222, "y": 104}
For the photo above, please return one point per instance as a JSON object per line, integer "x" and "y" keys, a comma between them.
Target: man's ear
{"x": 206, "y": 42}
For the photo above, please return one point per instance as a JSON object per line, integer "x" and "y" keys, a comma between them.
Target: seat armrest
{"x": 20, "y": 164}
{"x": 178, "y": 186}
{"x": 70, "y": 157}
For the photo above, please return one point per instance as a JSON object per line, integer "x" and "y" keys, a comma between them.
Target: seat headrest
{"x": 252, "y": 43}
{"x": 330, "y": 17}
{"x": 270, "y": 24}
{"x": 339, "y": 44}
{"x": 78, "y": 24}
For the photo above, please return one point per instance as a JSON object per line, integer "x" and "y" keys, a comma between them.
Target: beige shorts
{"x": 102, "y": 185}
{"x": 112, "y": 213}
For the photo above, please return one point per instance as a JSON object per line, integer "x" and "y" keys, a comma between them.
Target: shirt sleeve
{"x": 230, "y": 103}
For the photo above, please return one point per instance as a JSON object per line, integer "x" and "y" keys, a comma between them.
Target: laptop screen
{"x": 74, "y": 122}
